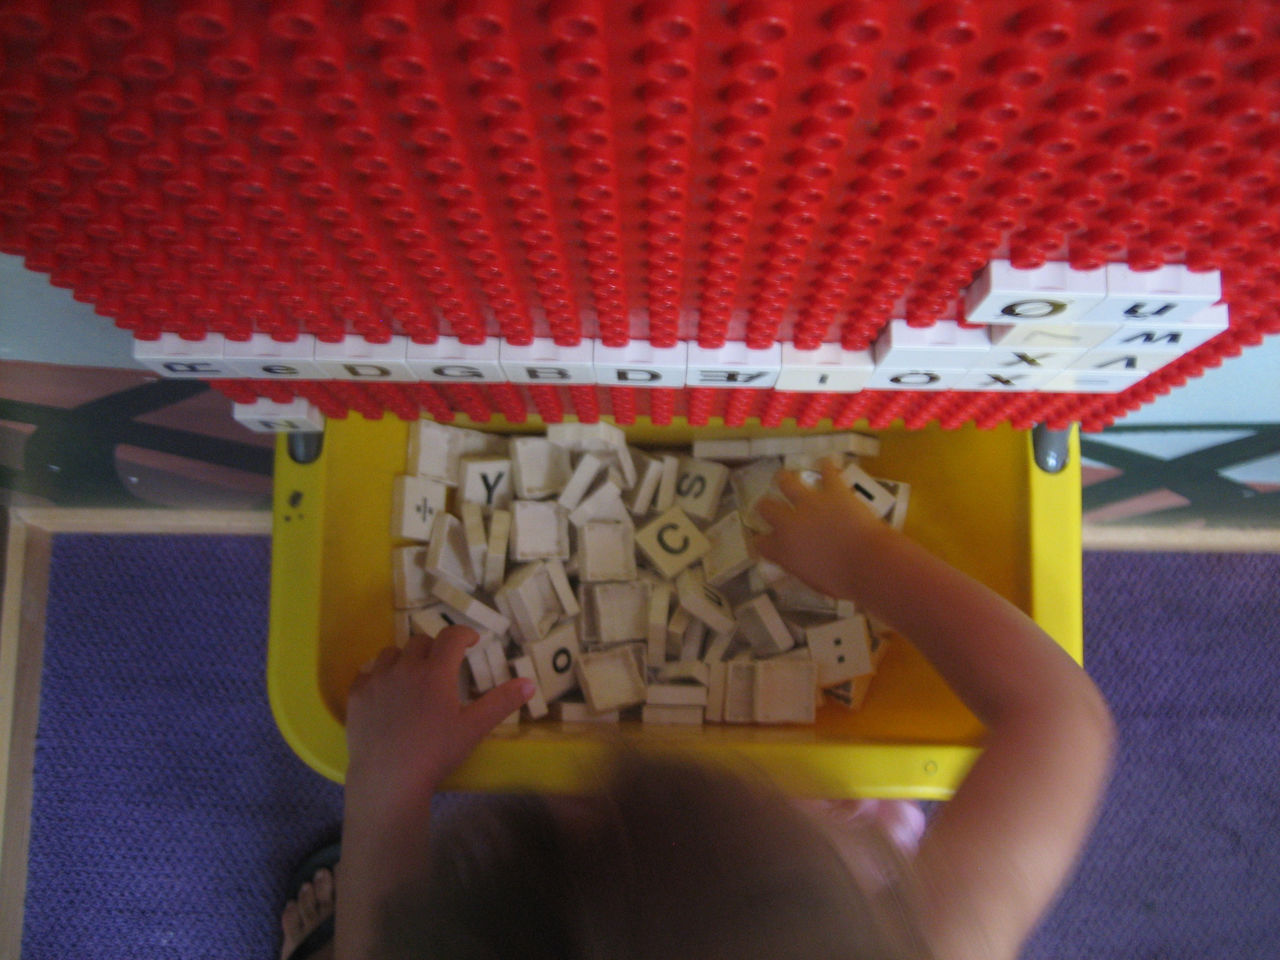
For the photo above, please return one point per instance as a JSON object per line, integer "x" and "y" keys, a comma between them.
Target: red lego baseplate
{"x": 668, "y": 170}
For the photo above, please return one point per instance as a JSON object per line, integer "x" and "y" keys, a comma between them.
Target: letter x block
{"x": 672, "y": 543}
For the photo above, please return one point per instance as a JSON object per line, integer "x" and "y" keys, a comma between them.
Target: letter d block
{"x": 672, "y": 542}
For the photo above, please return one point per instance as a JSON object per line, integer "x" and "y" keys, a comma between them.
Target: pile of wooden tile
{"x": 625, "y": 582}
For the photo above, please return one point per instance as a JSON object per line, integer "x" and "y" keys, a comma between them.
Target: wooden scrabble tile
{"x": 539, "y": 468}
{"x": 448, "y": 557}
{"x": 554, "y": 657}
{"x": 659, "y": 714}
{"x": 796, "y": 596}
{"x": 409, "y": 582}
{"x": 676, "y": 695}
{"x": 699, "y": 484}
{"x": 841, "y": 649}
{"x": 478, "y": 664}
{"x": 415, "y": 501}
{"x": 581, "y": 713}
{"x": 610, "y": 679}
{"x": 784, "y": 691}
{"x": 880, "y": 500}
{"x": 732, "y": 549}
{"x": 676, "y": 627}
{"x": 666, "y": 496}
{"x": 470, "y": 607}
{"x": 621, "y": 611}
{"x": 584, "y": 475}
{"x": 539, "y": 531}
{"x": 430, "y": 620}
{"x": 537, "y": 704}
{"x": 703, "y": 601}
{"x": 684, "y": 672}
{"x": 671, "y": 542}
{"x": 718, "y": 645}
{"x": 729, "y": 450}
{"x": 607, "y": 551}
{"x": 763, "y": 628}
{"x": 740, "y": 691}
{"x": 497, "y": 658}
{"x": 486, "y": 481}
{"x": 474, "y": 533}
{"x": 716, "y": 680}
{"x": 658, "y": 610}
{"x": 901, "y": 500}
{"x": 695, "y": 632}
{"x": 495, "y": 556}
{"x": 560, "y": 584}
{"x": 646, "y": 488}
{"x": 535, "y": 604}
{"x": 753, "y": 483}
{"x": 602, "y": 503}
{"x": 435, "y": 449}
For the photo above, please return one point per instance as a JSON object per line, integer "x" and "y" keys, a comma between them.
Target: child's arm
{"x": 996, "y": 856}
{"x": 406, "y": 732}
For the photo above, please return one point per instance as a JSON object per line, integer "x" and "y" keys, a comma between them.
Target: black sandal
{"x": 325, "y": 858}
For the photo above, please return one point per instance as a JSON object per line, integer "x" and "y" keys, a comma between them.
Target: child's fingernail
{"x": 527, "y": 688}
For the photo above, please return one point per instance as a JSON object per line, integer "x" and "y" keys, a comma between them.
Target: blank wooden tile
{"x": 784, "y": 691}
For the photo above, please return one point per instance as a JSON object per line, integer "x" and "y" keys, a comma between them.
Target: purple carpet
{"x": 169, "y": 812}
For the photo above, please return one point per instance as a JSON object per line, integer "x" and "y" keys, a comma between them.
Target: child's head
{"x": 668, "y": 859}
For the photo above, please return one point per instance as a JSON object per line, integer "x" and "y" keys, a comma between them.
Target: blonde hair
{"x": 668, "y": 859}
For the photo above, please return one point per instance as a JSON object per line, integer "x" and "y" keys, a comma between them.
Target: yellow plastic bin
{"x": 978, "y": 501}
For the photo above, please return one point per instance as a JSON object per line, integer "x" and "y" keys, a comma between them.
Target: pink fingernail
{"x": 527, "y": 688}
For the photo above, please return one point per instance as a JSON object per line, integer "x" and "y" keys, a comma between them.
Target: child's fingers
{"x": 789, "y": 483}
{"x": 767, "y": 546}
{"x": 772, "y": 510}
{"x": 417, "y": 646}
{"x": 830, "y": 471}
{"x": 481, "y": 717}
{"x": 450, "y": 647}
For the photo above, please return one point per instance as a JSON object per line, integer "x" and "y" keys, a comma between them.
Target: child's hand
{"x": 407, "y": 729}
{"x": 817, "y": 533}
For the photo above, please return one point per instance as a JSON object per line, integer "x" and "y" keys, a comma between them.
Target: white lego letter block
{"x": 671, "y": 542}
{"x": 886, "y": 378}
{"x": 828, "y": 368}
{"x": 733, "y": 365}
{"x": 732, "y": 549}
{"x": 703, "y": 601}
{"x": 841, "y": 649}
{"x": 610, "y": 680}
{"x": 1053, "y": 293}
{"x": 543, "y": 361}
{"x": 171, "y": 356}
{"x": 640, "y": 364}
{"x": 415, "y": 501}
{"x": 540, "y": 468}
{"x": 1093, "y": 381}
{"x": 944, "y": 346}
{"x": 355, "y": 358}
{"x": 537, "y": 704}
{"x": 1135, "y": 361}
{"x": 266, "y": 416}
{"x": 762, "y": 626}
{"x": 1078, "y": 335}
{"x": 784, "y": 691}
{"x": 262, "y": 357}
{"x": 1181, "y": 336}
{"x": 1161, "y": 297}
{"x": 699, "y": 484}
{"x": 554, "y": 658}
{"x": 486, "y": 481}
{"x": 539, "y": 531}
{"x": 607, "y": 551}
{"x": 449, "y": 360}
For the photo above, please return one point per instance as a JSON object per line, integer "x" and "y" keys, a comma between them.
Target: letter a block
{"x": 672, "y": 542}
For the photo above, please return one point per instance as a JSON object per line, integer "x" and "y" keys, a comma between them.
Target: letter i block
{"x": 671, "y": 542}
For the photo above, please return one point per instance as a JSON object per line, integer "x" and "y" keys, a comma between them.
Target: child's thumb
{"x": 496, "y": 705}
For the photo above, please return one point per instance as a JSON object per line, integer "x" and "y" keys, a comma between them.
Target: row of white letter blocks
{"x": 1050, "y": 329}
